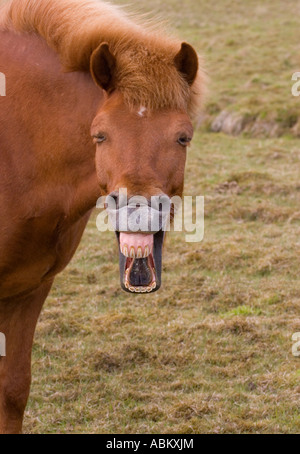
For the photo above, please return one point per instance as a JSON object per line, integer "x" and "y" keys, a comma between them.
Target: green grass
{"x": 211, "y": 351}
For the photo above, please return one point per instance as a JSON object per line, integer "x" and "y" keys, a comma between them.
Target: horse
{"x": 96, "y": 100}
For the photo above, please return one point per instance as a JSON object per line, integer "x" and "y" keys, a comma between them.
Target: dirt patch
{"x": 234, "y": 123}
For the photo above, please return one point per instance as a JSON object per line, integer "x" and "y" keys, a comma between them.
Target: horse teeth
{"x": 140, "y": 289}
{"x": 130, "y": 252}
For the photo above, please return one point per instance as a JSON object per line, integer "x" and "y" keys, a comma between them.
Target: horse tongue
{"x": 140, "y": 273}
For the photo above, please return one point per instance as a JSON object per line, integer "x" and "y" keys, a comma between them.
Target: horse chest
{"x": 36, "y": 250}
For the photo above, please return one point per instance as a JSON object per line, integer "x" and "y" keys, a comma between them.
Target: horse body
{"x": 48, "y": 181}
{"x": 78, "y": 71}
{"x": 48, "y": 187}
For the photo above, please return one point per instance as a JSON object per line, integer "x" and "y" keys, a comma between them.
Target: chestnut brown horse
{"x": 78, "y": 73}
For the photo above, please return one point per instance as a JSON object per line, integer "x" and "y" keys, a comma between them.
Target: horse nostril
{"x": 160, "y": 202}
{"x": 115, "y": 197}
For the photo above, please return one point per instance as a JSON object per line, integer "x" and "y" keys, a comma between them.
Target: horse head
{"x": 141, "y": 148}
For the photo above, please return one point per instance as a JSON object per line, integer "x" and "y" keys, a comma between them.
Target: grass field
{"x": 211, "y": 351}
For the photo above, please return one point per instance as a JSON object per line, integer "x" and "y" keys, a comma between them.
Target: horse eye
{"x": 99, "y": 138}
{"x": 184, "y": 141}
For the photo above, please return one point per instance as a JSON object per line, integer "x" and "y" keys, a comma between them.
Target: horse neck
{"x": 52, "y": 112}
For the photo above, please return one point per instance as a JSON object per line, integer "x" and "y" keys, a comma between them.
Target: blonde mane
{"x": 146, "y": 74}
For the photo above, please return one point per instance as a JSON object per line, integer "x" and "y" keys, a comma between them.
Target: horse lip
{"x": 154, "y": 219}
{"x": 157, "y": 258}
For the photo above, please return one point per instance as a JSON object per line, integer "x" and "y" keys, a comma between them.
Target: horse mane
{"x": 146, "y": 74}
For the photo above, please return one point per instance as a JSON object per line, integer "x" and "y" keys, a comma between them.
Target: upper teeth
{"x": 132, "y": 253}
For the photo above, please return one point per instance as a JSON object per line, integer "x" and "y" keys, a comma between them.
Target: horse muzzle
{"x": 140, "y": 230}
{"x": 140, "y": 268}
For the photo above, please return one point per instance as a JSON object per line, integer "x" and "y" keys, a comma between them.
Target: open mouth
{"x": 140, "y": 259}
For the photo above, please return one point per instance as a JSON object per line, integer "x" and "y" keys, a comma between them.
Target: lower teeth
{"x": 147, "y": 289}
{"x": 139, "y": 289}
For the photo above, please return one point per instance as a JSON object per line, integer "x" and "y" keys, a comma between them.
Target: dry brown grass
{"x": 211, "y": 351}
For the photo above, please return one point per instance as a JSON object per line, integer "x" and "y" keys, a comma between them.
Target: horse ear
{"x": 103, "y": 65}
{"x": 186, "y": 61}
